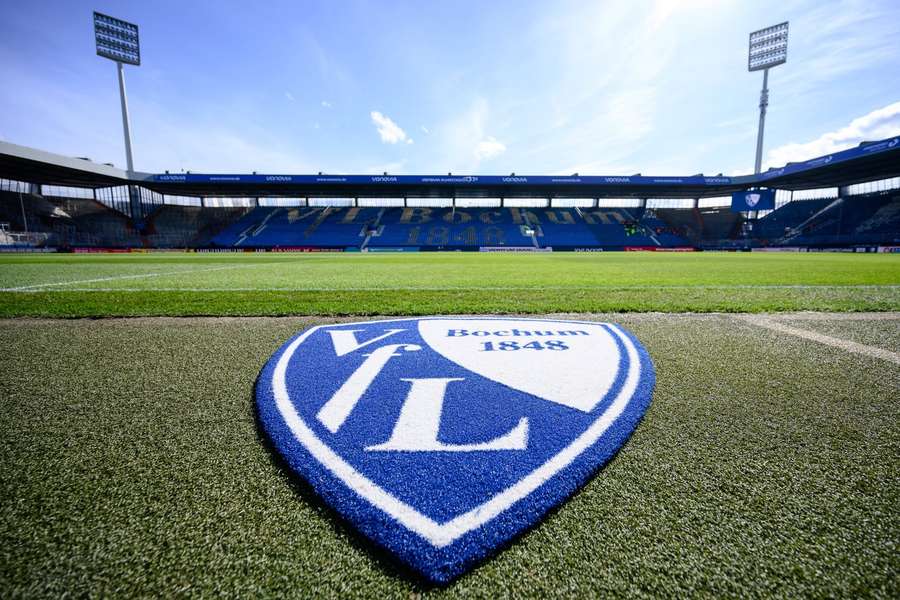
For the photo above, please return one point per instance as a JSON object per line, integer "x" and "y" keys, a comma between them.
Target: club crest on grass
{"x": 442, "y": 438}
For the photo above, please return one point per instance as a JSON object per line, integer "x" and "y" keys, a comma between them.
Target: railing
{"x": 11, "y": 238}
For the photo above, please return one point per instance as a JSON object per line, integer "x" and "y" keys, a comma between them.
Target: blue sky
{"x": 612, "y": 87}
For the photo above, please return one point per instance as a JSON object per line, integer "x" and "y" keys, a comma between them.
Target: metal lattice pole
{"x": 126, "y": 121}
{"x": 763, "y": 105}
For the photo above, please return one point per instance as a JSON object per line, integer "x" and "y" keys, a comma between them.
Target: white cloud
{"x": 409, "y": 141}
{"x": 489, "y": 147}
{"x": 289, "y": 96}
{"x": 326, "y": 104}
{"x": 425, "y": 130}
{"x": 463, "y": 141}
{"x": 390, "y": 132}
{"x": 878, "y": 124}
{"x": 457, "y": 136}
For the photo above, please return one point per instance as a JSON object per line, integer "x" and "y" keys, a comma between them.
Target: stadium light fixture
{"x": 768, "y": 48}
{"x": 119, "y": 41}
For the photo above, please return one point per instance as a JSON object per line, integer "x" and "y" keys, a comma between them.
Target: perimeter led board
{"x": 768, "y": 47}
{"x": 116, "y": 39}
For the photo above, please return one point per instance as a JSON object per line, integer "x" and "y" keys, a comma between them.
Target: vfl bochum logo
{"x": 441, "y": 439}
{"x": 752, "y": 199}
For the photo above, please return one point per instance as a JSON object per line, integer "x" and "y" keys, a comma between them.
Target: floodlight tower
{"x": 768, "y": 48}
{"x": 118, "y": 41}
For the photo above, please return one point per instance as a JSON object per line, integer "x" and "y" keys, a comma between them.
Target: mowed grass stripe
{"x": 388, "y": 288}
{"x": 483, "y": 270}
{"x": 765, "y": 467}
{"x": 444, "y": 283}
{"x": 414, "y": 302}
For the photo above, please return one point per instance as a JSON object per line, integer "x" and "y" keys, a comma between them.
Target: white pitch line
{"x": 810, "y": 316}
{"x": 845, "y": 345}
{"x": 26, "y": 288}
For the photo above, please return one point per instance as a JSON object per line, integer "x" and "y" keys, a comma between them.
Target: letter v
{"x": 344, "y": 340}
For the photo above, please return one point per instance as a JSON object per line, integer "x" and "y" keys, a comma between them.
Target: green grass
{"x": 132, "y": 466}
{"x": 431, "y": 283}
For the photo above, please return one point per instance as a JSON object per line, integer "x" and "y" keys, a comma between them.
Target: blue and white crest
{"x": 441, "y": 439}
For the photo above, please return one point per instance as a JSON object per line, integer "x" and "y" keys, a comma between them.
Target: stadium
{"x": 188, "y": 408}
{"x": 850, "y": 204}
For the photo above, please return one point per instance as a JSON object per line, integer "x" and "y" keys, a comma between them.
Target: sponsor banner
{"x": 241, "y": 250}
{"x": 753, "y": 200}
{"x": 659, "y": 249}
{"x": 588, "y": 250}
{"x": 304, "y": 249}
{"x": 889, "y": 249}
{"x": 91, "y": 250}
{"x": 157, "y": 250}
{"x": 844, "y": 249}
{"x": 778, "y": 249}
{"x": 28, "y": 249}
{"x": 444, "y": 438}
{"x": 513, "y": 249}
{"x": 391, "y": 249}
{"x": 450, "y": 180}
{"x": 86, "y": 250}
{"x": 448, "y": 248}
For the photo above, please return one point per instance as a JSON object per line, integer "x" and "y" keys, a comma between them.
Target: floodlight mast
{"x": 118, "y": 41}
{"x": 763, "y": 106}
{"x": 126, "y": 122}
{"x": 768, "y": 48}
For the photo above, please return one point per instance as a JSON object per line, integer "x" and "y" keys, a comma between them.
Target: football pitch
{"x": 766, "y": 465}
{"x": 184, "y": 284}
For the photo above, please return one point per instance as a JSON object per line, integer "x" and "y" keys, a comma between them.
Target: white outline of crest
{"x": 437, "y": 534}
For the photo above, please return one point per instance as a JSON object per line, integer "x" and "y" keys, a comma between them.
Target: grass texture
{"x": 132, "y": 466}
{"x": 179, "y": 284}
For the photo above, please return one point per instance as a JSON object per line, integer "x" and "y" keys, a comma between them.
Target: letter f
{"x": 334, "y": 412}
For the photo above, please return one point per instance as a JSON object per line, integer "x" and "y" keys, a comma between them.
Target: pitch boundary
{"x": 843, "y": 344}
{"x": 38, "y": 286}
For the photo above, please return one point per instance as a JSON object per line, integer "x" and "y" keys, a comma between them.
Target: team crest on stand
{"x": 442, "y": 438}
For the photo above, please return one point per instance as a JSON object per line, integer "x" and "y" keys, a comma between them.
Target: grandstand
{"x": 847, "y": 199}
{"x": 443, "y": 228}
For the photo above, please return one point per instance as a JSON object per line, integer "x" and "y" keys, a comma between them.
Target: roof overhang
{"x": 866, "y": 162}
